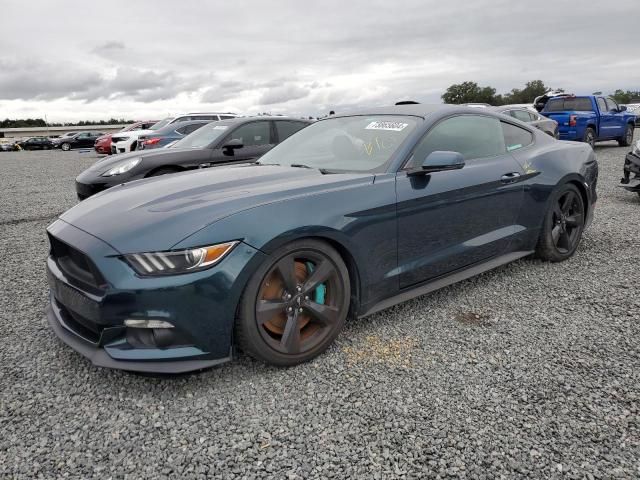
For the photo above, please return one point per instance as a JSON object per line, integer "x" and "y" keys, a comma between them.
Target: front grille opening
{"x": 76, "y": 265}
{"x": 80, "y": 325}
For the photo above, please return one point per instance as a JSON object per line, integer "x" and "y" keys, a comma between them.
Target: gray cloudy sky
{"x": 139, "y": 59}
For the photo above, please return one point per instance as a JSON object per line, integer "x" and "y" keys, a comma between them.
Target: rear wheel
{"x": 627, "y": 138}
{"x": 295, "y": 305}
{"x": 563, "y": 225}
{"x": 65, "y": 146}
{"x": 590, "y": 136}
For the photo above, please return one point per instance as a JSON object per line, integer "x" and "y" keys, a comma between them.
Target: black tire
{"x": 164, "y": 171}
{"x": 281, "y": 318}
{"x": 65, "y": 146}
{"x": 627, "y": 138}
{"x": 562, "y": 226}
{"x": 590, "y": 136}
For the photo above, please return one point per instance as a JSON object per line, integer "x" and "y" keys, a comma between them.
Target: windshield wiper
{"x": 323, "y": 171}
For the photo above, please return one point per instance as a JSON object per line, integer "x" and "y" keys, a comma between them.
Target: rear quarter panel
{"x": 549, "y": 163}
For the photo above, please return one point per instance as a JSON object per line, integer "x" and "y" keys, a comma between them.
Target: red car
{"x": 103, "y": 143}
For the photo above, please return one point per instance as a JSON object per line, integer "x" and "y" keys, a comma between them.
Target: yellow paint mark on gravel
{"x": 376, "y": 350}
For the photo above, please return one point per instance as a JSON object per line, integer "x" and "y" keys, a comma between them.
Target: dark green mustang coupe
{"x": 350, "y": 215}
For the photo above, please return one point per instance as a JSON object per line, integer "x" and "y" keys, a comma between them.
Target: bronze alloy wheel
{"x": 298, "y": 303}
{"x": 295, "y": 305}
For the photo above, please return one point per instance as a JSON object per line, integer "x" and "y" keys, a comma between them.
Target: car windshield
{"x": 343, "y": 144}
{"x": 160, "y": 124}
{"x": 203, "y": 136}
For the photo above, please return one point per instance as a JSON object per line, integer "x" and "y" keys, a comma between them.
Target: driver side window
{"x": 474, "y": 136}
{"x": 612, "y": 106}
{"x": 253, "y": 134}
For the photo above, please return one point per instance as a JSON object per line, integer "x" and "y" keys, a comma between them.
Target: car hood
{"x": 175, "y": 154}
{"x": 155, "y": 214}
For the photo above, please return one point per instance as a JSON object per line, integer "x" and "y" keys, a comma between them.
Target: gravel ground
{"x": 531, "y": 370}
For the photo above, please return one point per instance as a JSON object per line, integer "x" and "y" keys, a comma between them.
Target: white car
{"x": 123, "y": 142}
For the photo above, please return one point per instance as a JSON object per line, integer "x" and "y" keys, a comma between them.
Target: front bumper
{"x": 100, "y": 358}
{"x": 631, "y": 166}
{"x": 90, "y": 317}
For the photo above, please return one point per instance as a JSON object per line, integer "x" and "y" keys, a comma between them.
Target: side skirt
{"x": 442, "y": 282}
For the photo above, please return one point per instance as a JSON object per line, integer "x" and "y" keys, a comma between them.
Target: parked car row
{"x": 65, "y": 142}
{"x": 127, "y": 141}
{"x": 103, "y": 143}
{"x": 236, "y": 140}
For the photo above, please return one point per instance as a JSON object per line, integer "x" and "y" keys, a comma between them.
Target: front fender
{"x": 360, "y": 221}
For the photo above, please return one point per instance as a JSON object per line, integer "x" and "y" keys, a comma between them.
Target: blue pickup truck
{"x": 590, "y": 119}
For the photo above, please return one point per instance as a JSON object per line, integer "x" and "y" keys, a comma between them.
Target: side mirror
{"x": 622, "y": 108}
{"x": 233, "y": 144}
{"x": 439, "y": 161}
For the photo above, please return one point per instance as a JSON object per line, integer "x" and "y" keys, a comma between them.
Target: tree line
{"x": 471, "y": 92}
{"x": 39, "y": 122}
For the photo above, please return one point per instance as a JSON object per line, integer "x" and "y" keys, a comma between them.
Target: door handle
{"x": 510, "y": 177}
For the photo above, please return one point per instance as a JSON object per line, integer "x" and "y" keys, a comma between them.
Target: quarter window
{"x": 474, "y": 136}
{"x": 515, "y": 137}
{"x": 254, "y": 133}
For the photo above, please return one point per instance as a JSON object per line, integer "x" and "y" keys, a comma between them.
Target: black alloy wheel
{"x": 563, "y": 225}
{"x": 568, "y": 220}
{"x": 295, "y": 305}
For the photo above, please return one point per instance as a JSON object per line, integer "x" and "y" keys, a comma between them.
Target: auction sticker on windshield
{"x": 395, "y": 126}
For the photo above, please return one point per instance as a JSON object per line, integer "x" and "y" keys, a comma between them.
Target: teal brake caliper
{"x": 320, "y": 290}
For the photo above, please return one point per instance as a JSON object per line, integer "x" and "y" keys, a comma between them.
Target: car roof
{"x": 239, "y": 120}
{"x": 417, "y": 110}
{"x": 502, "y": 108}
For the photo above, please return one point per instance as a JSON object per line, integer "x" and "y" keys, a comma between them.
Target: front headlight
{"x": 122, "y": 167}
{"x": 636, "y": 149}
{"x": 181, "y": 261}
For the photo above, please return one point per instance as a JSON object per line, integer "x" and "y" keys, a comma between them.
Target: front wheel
{"x": 563, "y": 225}
{"x": 295, "y": 305}
{"x": 590, "y": 136}
{"x": 65, "y": 146}
{"x": 627, "y": 138}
